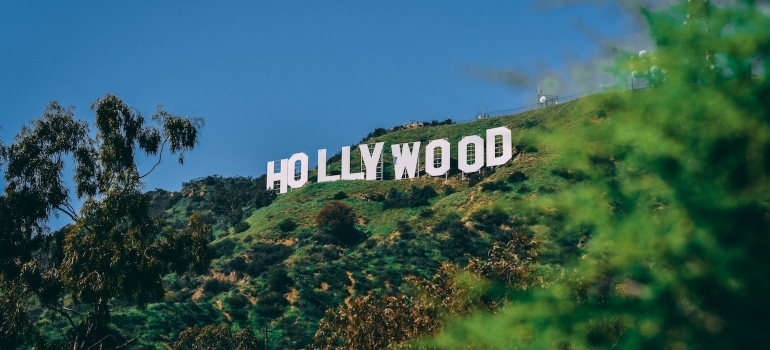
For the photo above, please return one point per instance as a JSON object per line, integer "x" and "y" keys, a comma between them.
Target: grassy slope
{"x": 323, "y": 275}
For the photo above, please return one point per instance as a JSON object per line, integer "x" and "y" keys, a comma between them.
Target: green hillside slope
{"x": 274, "y": 266}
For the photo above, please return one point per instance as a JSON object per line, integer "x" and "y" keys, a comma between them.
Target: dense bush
{"x": 489, "y": 220}
{"x": 416, "y": 197}
{"x": 237, "y": 301}
{"x": 215, "y": 337}
{"x": 271, "y": 305}
{"x": 241, "y": 226}
{"x": 212, "y": 286}
{"x": 405, "y": 229}
{"x": 517, "y": 177}
{"x": 495, "y": 186}
{"x": 475, "y": 178}
{"x": 259, "y": 258}
{"x": 287, "y": 225}
{"x": 278, "y": 279}
{"x": 569, "y": 174}
{"x": 339, "y": 219}
{"x": 223, "y": 248}
{"x": 263, "y": 198}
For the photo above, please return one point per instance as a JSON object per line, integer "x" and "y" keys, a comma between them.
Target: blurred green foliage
{"x": 671, "y": 185}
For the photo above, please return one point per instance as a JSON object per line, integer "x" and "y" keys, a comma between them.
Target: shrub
{"x": 264, "y": 255}
{"x": 263, "y": 198}
{"x": 451, "y": 224}
{"x": 237, "y": 264}
{"x": 241, "y": 226}
{"x": 495, "y": 186}
{"x": 569, "y": 174}
{"x": 395, "y": 199}
{"x": 405, "y": 230}
{"x": 338, "y": 219}
{"x": 271, "y": 305}
{"x": 213, "y": 286}
{"x": 403, "y": 226}
{"x": 517, "y": 177}
{"x": 340, "y": 195}
{"x": 223, "y": 247}
{"x": 287, "y": 225}
{"x": 278, "y": 279}
{"x": 421, "y": 196}
{"x": 215, "y": 337}
{"x": 416, "y": 197}
{"x": 237, "y": 301}
{"x": 488, "y": 220}
{"x": 475, "y": 178}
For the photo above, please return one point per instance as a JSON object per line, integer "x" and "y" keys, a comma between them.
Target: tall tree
{"x": 113, "y": 250}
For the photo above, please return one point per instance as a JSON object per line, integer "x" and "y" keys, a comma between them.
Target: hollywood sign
{"x": 471, "y": 157}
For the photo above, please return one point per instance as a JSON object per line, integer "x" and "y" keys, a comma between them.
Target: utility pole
{"x": 266, "y": 331}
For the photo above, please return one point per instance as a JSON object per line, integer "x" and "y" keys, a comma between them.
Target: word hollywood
{"x": 405, "y": 160}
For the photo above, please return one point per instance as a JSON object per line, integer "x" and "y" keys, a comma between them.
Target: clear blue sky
{"x": 274, "y": 78}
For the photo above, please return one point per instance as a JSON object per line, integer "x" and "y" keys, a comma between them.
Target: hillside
{"x": 274, "y": 266}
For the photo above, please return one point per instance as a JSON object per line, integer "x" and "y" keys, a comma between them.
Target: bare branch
{"x": 128, "y": 342}
{"x": 160, "y": 158}
{"x": 67, "y": 209}
{"x": 61, "y": 311}
{"x": 73, "y": 311}
{"x": 99, "y": 342}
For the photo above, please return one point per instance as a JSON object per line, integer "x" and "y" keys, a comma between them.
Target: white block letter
{"x": 462, "y": 154}
{"x": 322, "y": 177}
{"x": 492, "y": 158}
{"x": 405, "y": 159}
{"x": 346, "y": 175}
{"x": 280, "y": 176}
{"x": 302, "y": 159}
{"x": 371, "y": 160}
{"x": 430, "y": 157}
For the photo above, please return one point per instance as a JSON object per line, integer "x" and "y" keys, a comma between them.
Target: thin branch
{"x": 160, "y": 158}
{"x": 61, "y": 311}
{"x": 66, "y": 210}
{"x": 72, "y": 323}
{"x": 128, "y": 342}
{"x": 71, "y": 208}
{"x": 73, "y": 311}
{"x": 97, "y": 343}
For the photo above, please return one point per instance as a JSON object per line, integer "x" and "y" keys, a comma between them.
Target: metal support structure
{"x": 380, "y": 164}
{"x": 544, "y": 100}
{"x": 470, "y": 154}
{"x": 277, "y": 169}
{"x": 266, "y": 331}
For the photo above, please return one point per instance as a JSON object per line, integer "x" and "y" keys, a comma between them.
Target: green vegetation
{"x": 669, "y": 188}
{"x": 630, "y": 219}
{"x": 60, "y": 290}
{"x": 290, "y": 269}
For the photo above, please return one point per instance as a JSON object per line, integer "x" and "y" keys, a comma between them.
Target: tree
{"x": 113, "y": 250}
{"x": 215, "y": 337}
{"x": 675, "y": 199}
{"x": 374, "y": 322}
{"x": 392, "y": 321}
{"x": 339, "y": 219}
